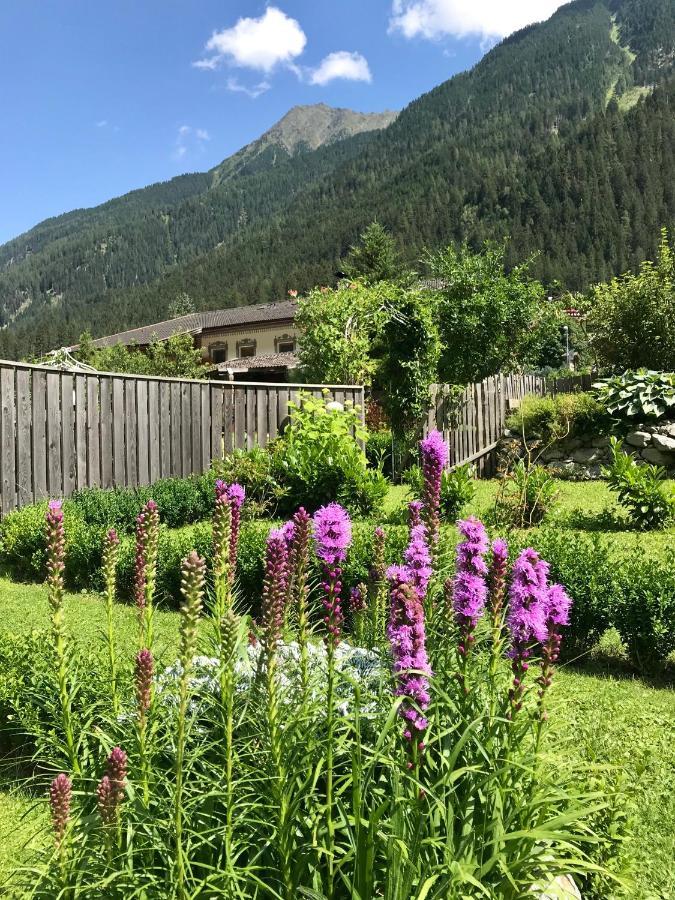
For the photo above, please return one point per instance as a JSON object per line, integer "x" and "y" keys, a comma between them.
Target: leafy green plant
{"x": 458, "y": 488}
{"x": 319, "y": 460}
{"x": 640, "y": 488}
{"x": 641, "y": 395}
{"x": 553, "y": 418}
{"x": 255, "y": 470}
{"x": 526, "y": 494}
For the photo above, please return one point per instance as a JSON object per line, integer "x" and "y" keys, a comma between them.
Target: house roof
{"x": 196, "y": 323}
{"x": 266, "y": 361}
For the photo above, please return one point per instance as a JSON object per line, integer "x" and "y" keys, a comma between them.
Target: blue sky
{"x": 100, "y": 98}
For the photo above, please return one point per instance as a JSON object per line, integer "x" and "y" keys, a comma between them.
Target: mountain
{"x": 560, "y": 139}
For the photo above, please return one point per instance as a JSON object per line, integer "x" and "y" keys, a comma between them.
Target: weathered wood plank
{"x": 251, "y": 405}
{"x": 216, "y": 421}
{"x": 8, "y": 448}
{"x": 185, "y": 430}
{"x": 81, "y": 431}
{"x": 143, "y": 442}
{"x": 68, "y": 434}
{"x": 131, "y": 433}
{"x": 107, "y": 429}
{"x": 228, "y": 420}
{"x": 39, "y": 441}
{"x": 24, "y": 448}
{"x": 273, "y": 414}
{"x": 262, "y": 416}
{"x": 154, "y": 422}
{"x": 176, "y": 437}
{"x": 55, "y": 476}
{"x": 284, "y": 396}
{"x": 165, "y": 429}
{"x": 119, "y": 433}
{"x": 206, "y": 427}
{"x": 196, "y": 442}
{"x": 239, "y": 418}
{"x": 93, "y": 432}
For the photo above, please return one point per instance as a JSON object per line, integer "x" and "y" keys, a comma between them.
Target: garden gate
{"x": 60, "y": 430}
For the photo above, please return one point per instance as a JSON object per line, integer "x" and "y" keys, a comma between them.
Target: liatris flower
{"x": 56, "y": 550}
{"x": 526, "y": 619}
{"x": 110, "y": 790}
{"x": 418, "y": 561}
{"x": 60, "y": 794}
{"x": 222, "y": 534}
{"x": 332, "y": 533}
{"x": 332, "y": 537}
{"x": 143, "y": 672}
{"x": 434, "y": 459}
{"x": 147, "y": 540}
{"x": 414, "y": 513}
{"x": 298, "y": 561}
{"x": 558, "y": 605}
{"x": 469, "y": 586}
{"x": 236, "y": 494}
{"x": 357, "y": 599}
{"x": 110, "y": 548}
{"x": 274, "y": 588}
{"x": 407, "y": 638}
{"x": 193, "y": 571}
{"x": 500, "y": 555}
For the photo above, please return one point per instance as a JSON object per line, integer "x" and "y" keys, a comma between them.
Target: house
{"x": 252, "y": 343}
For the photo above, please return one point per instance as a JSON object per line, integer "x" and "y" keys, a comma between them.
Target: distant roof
{"x": 266, "y": 361}
{"x": 195, "y": 323}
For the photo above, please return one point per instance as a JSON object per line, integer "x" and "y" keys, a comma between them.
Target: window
{"x": 218, "y": 352}
{"x": 246, "y": 348}
{"x": 286, "y": 346}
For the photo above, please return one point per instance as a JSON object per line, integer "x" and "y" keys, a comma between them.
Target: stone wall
{"x": 583, "y": 458}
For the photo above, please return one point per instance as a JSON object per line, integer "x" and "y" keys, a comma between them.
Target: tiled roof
{"x": 268, "y": 361}
{"x": 195, "y": 323}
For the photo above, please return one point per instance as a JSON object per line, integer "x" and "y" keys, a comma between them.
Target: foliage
{"x": 319, "y": 460}
{"x": 176, "y": 357}
{"x": 640, "y": 489}
{"x": 410, "y": 348}
{"x": 337, "y": 328}
{"x": 458, "y": 488}
{"x": 556, "y": 417}
{"x": 526, "y": 494}
{"x": 375, "y": 258}
{"x": 256, "y": 471}
{"x": 632, "y": 318}
{"x": 641, "y": 395}
{"x": 486, "y": 317}
{"x": 378, "y": 451}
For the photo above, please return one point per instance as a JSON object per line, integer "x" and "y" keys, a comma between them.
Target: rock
{"x": 552, "y": 455}
{"x": 601, "y": 442}
{"x": 658, "y": 457}
{"x": 585, "y": 455}
{"x": 663, "y": 442}
{"x": 638, "y": 438}
{"x": 668, "y": 430}
{"x": 570, "y": 444}
{"x": 561, "y": 888}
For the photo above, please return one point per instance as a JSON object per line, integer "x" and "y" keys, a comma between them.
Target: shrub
{"x": 641, "y": 395}
{"x": 378, "y": 451}
{"x": 554, "y": 418}
{"x": 526, "y": 494}
{"x": 458, "y": 488}
{"x": 640, "y": 488}
{"x": 255, "y": 470}
{"x": 318, "y": 460}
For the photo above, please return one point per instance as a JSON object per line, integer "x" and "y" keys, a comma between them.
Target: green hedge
{"x": 611, "y": 588}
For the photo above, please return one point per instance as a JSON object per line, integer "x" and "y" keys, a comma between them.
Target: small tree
{"x": 485, "y": 315}
{"x": 375, "y": 258}
{"x": 632, "y": 320}
{"x": 176, "y": 357}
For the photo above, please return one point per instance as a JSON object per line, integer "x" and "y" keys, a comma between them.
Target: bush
{"x": 378, "y": 451}
{"x": 525, "y": 496}
{"x": 318, "y": 460}
{"x": 458, "y": 489}
{"x": 640, "y": 488}
{"x": 638, "y": 396}
{"x": 255, "y": 470}
{"x": 554, "y": 418}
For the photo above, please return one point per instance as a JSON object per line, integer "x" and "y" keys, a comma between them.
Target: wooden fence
{"x": 473, "y": 422}
{"x": 61, "y": 431}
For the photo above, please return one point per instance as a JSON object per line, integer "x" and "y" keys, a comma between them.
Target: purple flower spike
{"x": 332, "y": 533}
{"x": 418, "y": 560}
{"x": 275, "y": 588}
{"x": 528, "y": 599}
{"x": 60, "y": 794}
{"x": 414, "y": 513}
{"x": 434, "y": 453}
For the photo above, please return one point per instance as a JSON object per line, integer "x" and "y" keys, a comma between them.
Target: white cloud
{"x": 102, "y": 123}
{"x": 261, "y": 44}
{"x": 341, "y": 64}
{"x": 234, "y": 85}
{"x": 487, "y": 18}
{"x": 189, "y": 138}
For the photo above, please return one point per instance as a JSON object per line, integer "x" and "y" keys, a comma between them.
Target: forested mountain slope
{"x": 561, "y": 137}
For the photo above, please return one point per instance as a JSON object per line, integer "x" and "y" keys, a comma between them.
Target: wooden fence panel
{"x": 62, "y": 431}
